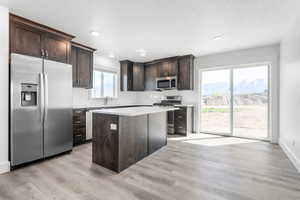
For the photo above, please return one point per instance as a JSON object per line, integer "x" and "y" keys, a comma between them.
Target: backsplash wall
{"x": 188, "y": 97}
{"x": 81, "y": 98}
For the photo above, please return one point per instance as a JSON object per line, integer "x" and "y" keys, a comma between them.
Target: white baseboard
{"x": 4, "y": 167}
{"x": 290, "y": 155}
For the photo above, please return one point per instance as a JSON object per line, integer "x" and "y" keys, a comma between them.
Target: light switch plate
{"x": 113, "y": 127}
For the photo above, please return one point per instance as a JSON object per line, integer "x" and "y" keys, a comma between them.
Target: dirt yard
{"x": 248, "y": 120}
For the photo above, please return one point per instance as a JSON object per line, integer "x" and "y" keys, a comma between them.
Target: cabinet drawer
{"x": 180, "y": 130}
{"x": 180, "y": 116}
{"x": 78, "y": 139}
{"x": 79, "y": 130}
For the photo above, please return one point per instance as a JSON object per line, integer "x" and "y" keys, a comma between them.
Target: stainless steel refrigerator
{"x": 41, "y": 109}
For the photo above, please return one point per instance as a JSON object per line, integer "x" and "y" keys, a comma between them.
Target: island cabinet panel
{"x": 150, "y": 77}
{"x": 157, "y": 131}
{"x": 185, "y": 78}
{"x": 121, "y": 141}
{"x": 106, "y": 141}
{"x": 132, "y": 140}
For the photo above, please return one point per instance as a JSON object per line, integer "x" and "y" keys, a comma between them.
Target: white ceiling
{"x": 164, "y": 27}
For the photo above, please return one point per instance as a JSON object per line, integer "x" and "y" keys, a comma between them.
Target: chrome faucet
{"x": 106, "y": 99}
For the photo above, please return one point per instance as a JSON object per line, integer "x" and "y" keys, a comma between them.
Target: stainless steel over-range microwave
{"x": 166, "y": 83}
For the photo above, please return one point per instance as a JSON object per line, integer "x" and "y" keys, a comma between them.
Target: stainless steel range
{"x": 170, "y": 101}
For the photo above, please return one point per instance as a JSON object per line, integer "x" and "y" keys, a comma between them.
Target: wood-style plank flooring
{"x": 205, "y": 167}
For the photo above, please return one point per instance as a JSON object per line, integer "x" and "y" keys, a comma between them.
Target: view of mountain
{"x": 243, "y": 87}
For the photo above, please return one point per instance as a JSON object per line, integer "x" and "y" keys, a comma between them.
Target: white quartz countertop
{"x": 184, "y": 105}
{"x": 134, "y": 111}
{"x": 108, "y": 105}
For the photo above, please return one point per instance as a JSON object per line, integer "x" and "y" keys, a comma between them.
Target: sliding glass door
{"x": 215, "y": 102}
{"x": 235, "y": 101}
{"x": 250, "y": 106}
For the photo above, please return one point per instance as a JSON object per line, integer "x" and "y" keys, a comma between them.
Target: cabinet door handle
{"x": 179, "y": 116}
{"x": 46, "y": 54}
{"x": 43, "y": 53}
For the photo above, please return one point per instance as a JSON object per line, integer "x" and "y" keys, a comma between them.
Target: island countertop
{"x": 135, "y": 111}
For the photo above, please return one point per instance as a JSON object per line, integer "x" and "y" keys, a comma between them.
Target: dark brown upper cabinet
{"x": 142, "y": 76}
{"x": 82, "y": 62}
{"x": 34, "y": 39}
{"x": 56, "y": 48}
{"x": 167, "y": 68}
{"x": 150, "y": 77}
{"x": 185, "y": 77}
{"x": 126, "y": 75}
{"x": 25, "y": 40}
{"x": 138, "y": 77}
{"x": 132, "y": 76}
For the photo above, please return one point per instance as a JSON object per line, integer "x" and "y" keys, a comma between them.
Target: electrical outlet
{"x": 113, "y": 127}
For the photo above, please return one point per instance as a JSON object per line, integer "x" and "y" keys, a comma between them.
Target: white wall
{"x": 81, "y": 96}
{"x": 269, "y": 54}
{"x": 4, "y": 42}
{"x": 290, "y": 94}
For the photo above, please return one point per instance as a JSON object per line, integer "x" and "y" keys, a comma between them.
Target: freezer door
{"x": 58, "y": 133}
{"x": 26, "y": 114}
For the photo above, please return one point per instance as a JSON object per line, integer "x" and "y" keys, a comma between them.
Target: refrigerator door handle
{"x": 42, "y": 97}
{"x": 46, "y": 96}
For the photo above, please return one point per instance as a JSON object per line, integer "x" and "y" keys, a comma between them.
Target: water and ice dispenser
{"x": 29, "y": 94}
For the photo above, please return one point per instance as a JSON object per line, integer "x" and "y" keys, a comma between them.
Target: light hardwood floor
{"x": 206, "y": 167}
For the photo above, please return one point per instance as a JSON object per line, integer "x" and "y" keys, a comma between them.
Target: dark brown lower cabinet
{"x": 79, "y": 126}
{"x": 120, "y": 141}
{"x": 183, "y": 121}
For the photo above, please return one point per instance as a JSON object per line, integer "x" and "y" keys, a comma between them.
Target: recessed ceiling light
{"x": 94, "y": 33}
{"x": 218, "y": 37}
{"x": 111, "y": 55}
{"x": 142, "y": 52}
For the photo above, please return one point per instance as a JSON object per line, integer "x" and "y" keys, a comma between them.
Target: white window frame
{"x": 115, "y": 88}
{"x": 239, "y": 66}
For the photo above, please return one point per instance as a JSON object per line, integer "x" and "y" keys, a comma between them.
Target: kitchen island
{"x": 123, "y": 136}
